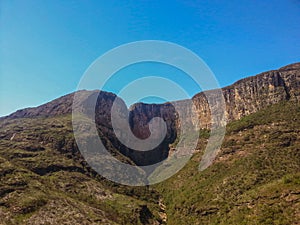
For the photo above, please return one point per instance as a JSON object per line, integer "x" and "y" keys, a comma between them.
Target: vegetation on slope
{"x": 254, "y": 180}
{"x": 45, "y": 180}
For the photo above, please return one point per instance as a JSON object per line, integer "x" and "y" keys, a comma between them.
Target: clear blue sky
{"x": 45, "y": 46}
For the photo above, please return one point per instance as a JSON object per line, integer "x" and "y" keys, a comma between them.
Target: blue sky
{"x": 45, "y": 46}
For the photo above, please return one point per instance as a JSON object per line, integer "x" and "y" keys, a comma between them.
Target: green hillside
{"x": 254, "y": 180}
{"x": 44, "y": 180}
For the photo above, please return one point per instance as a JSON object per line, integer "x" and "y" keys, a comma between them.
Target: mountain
{"x": 244, "y": 97}
{"x": 254, "y": 179}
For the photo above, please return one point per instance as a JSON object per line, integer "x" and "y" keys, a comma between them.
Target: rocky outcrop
{"x": 254, "y": 93}
{"x": 138, "y": 120}
{"x": 251, "y": 94}
{"x": 244, "y": 97}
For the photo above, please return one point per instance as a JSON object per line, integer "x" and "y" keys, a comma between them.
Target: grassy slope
{"x": 254, "y": 180}
{"x": 44, "y": 180}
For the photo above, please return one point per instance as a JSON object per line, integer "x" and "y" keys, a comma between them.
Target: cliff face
{"x": 251, "y": 94}
{"x": 254, "y": 93}
{"x": 242, "y": 98}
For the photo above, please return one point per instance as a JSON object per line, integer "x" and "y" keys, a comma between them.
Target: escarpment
{"x": 242, "y": 98}
{"x": 254, "y": 93}
{"x": 251, "y": 94}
